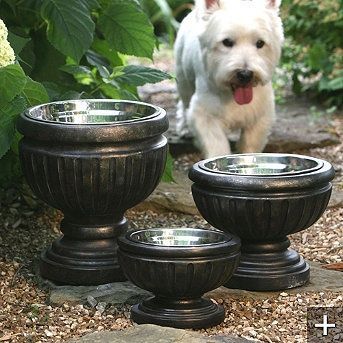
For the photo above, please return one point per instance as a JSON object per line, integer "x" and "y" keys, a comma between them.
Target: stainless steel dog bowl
{"x": 184, "y": 237}
{"x": 262, "y": 198}
{"x": 92, "y": 112}
{"x": 263, "y": 164}
{"x": 178, "y": 265}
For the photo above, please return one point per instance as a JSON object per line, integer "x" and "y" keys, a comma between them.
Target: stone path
{"x": 111, "y": 293}
{"x": 148, "y": 333}
{"x": 171, "y": 196}
{"x": 127, "y": 293}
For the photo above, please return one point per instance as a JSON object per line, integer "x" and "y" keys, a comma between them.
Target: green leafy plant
{"x": 313, "y": 51}
{"x": 165, "y": 15}
{"x": 68, "y": 50}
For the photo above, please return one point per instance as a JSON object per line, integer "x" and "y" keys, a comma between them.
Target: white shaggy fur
{"x": 206, "y": 72}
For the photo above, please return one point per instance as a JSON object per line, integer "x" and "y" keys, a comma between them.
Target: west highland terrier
{"x": 226, "y": 52}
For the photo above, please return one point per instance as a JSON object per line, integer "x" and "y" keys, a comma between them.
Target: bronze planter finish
{"x": 262, "y": 198}
{"x": 178, "y": 266}
{"x": 93, "y": 160}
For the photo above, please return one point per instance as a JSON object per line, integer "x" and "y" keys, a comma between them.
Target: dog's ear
{"x": 211, "y": 4}
{"x": 275, "y": 4}
{"x": 207, "y": 5}
{"x": 205, "y": 8}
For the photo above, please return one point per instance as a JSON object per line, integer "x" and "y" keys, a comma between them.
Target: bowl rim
{"x": 228, "y": 247}
{"x": 144, "y": 129}
{"x": 319, "y": 164}
{"x": 244, "y": 183}
{"x": 153, "y": 115}
{"x": 219, "y": 232}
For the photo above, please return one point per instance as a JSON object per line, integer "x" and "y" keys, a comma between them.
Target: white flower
{"x": 3, "y": 30}
{"x": 6, "y": 52}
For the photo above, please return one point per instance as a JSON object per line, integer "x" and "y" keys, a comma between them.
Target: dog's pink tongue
{"x": 243, "y": 95}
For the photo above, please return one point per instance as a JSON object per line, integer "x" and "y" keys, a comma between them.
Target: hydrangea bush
{"x": 17, "y": 91}
{"x": 57, "y": 50}
{"x": 6, "y": 52}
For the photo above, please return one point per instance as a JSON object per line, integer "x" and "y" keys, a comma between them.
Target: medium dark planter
{"x": 178, "y": 266}
{"x": 262, "y": 198}
{"x": 93, "y": 160}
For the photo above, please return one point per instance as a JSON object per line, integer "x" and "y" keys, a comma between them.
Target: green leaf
{"x": 76, "y": 69}
{"x": 127, "y": 28}
{"x": 58, "y": 92}
{"x": 11, "y": 5}
{"x": 317, "y": 56}
{"x": 70, "y": 27}
{"x": 336, "y": 84}
{"x": 137, "y": 75}
{"x": 53, "y": 89}
{"x": 104, "y": 73}
{"x": 168, "y": 171}
{"x": 34, "y": 93}
{"x": 113, "y": 92}
{"x": 96, "y": 60}
{"x": 102, "y": 47}
{"x": 71, "y": 95}
{"x": 47, "y": 59}
{"x": 81, "y": 73}
{"x": 8, "y": 114}
{"x": 10, "y": 171}
{"x": 12, "y": 82}
{"x": 331, "y": 85}
{"x": 17, "y": 42}
{"x": 90, "y": 4}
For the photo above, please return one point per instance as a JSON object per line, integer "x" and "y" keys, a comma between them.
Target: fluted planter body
{"x": 178, "y": 266}
{"x": 93, "y": 160}
{"x": 262, "y": 203}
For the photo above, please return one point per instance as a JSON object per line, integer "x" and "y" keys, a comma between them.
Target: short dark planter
{"x": 93, "y": 160}
{"x": 262, "y": 198}
{"x": 178, "y": 266}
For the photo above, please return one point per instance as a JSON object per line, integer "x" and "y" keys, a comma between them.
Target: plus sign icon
{"x": 325, "y": 325}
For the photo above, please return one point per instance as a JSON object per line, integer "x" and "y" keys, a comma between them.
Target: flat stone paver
{"x": 173, "y": 196}
{"x": 111, "y": 293}
{"x": 321, "y": 280}
{"x": 148, "y": 333}
{"x": 126, "y": 293}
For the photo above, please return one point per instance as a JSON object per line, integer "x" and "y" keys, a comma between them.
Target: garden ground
{"x": 28, "y": 315}
{"x": 29, "y": 311}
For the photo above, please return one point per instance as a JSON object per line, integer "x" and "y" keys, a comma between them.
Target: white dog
{"x": 226, "y": 52}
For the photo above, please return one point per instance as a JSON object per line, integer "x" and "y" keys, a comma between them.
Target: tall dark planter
{"x": 262, "y": 198}
{"x": 93, "y": 160}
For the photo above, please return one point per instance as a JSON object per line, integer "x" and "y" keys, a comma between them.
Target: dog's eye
{"x": 260, "y": 44}
{"x": 228, "y": 42}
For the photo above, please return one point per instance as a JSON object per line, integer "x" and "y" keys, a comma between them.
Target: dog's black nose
{"x": 244, "y": 76}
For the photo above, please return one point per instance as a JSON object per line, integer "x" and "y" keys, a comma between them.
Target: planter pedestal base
{"x": 269, "y": 266}
{"x": 85, "y": 255}
{"x": 182, "y": 314}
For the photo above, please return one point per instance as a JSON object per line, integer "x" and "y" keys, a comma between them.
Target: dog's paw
{"x": 184, "y": 132}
